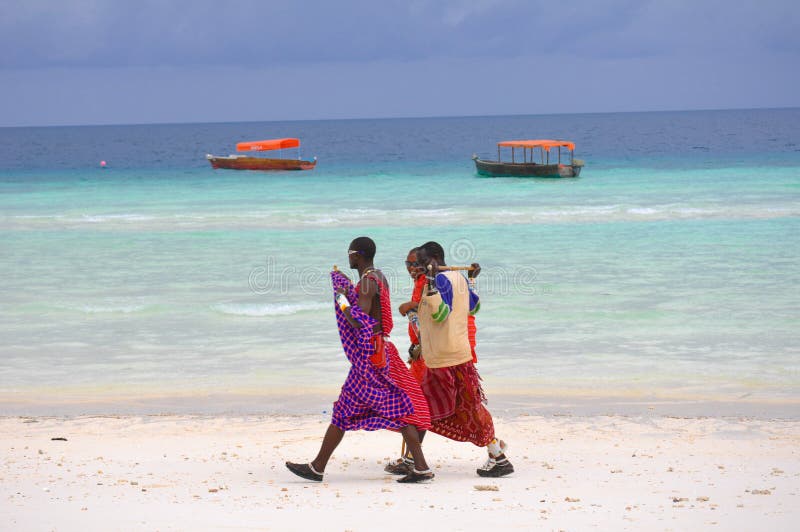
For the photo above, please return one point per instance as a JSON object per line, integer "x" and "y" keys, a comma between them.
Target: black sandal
{"x": 403, "y": 466}
{"x": 305, "y": 471}
{"x": 417, "y": 477}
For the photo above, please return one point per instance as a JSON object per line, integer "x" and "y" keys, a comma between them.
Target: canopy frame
{"x": 544, "y": 146}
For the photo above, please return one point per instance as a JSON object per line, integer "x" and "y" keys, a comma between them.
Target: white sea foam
{"x": 38, "y": 217}
{"x": 359, "y": 216}
{"x": 472, "y": 215}
{"x": 101, "y": 218}
{"x": 125, "y": 309}
{"x": 322, "y": 220}
{"x": 643, "y": 210}
{"x": 106, "y": 309}
{"x": 267, "y": 309}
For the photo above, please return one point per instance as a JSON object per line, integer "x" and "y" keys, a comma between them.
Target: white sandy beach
{"x": 644, "y": 472}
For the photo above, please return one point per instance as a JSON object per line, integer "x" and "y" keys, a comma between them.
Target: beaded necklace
{"x": 367, "y": 272}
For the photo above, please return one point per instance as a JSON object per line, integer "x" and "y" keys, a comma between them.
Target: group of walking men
{"x": 441, "y": 389}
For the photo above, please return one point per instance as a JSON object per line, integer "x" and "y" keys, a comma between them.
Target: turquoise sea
{"x": 668, "y": 271}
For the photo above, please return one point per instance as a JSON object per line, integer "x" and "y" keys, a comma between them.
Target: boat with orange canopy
{"x": 550, "y": 163}
{"x": 249, "y": 162}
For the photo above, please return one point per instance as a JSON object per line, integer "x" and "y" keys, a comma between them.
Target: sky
{"x": 74, "y": 62}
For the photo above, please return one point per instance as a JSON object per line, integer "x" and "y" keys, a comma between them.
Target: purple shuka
{"x": 369, "y": 400}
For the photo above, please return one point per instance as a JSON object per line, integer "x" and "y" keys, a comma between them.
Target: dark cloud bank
{"x": 104, "y": 61}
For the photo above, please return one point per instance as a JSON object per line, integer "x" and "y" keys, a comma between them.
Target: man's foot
{"x": 401, "y": 466}
{"x": 417, "y": 477}
{"x": 305, "y": 471}
{"x": 499, "y": 467}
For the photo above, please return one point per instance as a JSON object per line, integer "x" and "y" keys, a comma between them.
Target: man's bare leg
{"x": 420, "y": 472}
{"x": 333, "y": 437}
{"x": 315, "y": 469}
{"x": 404, "y": 464}
{"x": 414, "y": 446}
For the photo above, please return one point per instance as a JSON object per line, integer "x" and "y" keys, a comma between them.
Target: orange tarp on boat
{"x": 545, "y": 144}
{"x": 265, "y": 145}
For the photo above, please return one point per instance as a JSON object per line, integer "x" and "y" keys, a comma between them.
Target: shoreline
{"x": 318, "y": 402}
{"x": 572, "y": 472}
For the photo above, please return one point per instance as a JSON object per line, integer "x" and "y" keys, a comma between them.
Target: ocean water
{"x": 668, "y": 270}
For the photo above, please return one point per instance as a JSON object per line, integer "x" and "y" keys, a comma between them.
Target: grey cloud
{"x": 263, "y": 34}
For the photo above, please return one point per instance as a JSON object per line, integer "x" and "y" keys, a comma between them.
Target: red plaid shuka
{"x": 417, "y": 366}
{"x": 471, "y": 331}
{"x": 456, "y": 402}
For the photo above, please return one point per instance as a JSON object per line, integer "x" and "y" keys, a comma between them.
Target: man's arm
{"x": 408, "y": 306}
{"x": 367, "y": 293}
{"x": 474, "y": 300}
{"x": 474, "y": 303}
{"x": 445, "y": 289}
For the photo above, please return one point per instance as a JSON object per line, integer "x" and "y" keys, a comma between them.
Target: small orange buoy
{"x": 102, "y": 164}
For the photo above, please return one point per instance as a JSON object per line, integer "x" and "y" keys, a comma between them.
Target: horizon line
{"x": 100, "y": 124}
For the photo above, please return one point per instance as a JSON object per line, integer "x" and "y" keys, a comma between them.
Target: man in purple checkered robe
{"x": 371, "y": 397}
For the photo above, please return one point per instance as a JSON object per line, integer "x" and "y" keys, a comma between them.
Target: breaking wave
{"x": 267, "y": 309}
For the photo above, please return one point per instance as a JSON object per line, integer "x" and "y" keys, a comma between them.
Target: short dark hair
{"x": 365, "y": 246}
{"x": 433, "y": 250}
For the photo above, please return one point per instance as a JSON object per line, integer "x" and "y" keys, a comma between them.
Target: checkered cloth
{"x": 369, "y": 399}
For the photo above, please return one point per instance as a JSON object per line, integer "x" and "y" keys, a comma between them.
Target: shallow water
{"x": 668, "y": 269}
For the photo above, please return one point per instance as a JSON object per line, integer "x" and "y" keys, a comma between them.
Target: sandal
{"x": 402, "y": 466}
{"x": 417, "y": 477}
{"x": 305, "y": 471}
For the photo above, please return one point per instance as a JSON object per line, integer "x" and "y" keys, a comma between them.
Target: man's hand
{"x": 476, "y": 269}
{"x": 433, "y": 268}
{"x": 348, "y": 316}
{"x": 405, "y": 307}
{"x": 431, "y": 272}
{"x": 414, "y": 352}
{"x": 339, "y": 292}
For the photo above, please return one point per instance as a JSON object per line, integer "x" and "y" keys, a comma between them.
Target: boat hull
{"x": 240, "y": 162}
{"x": 501, "y": 169}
